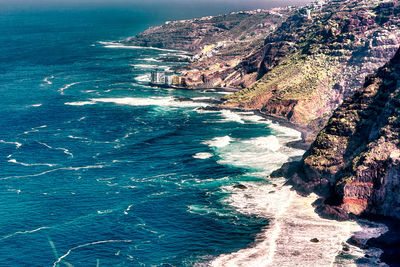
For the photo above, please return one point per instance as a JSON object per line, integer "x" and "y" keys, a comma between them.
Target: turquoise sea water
{"x": 97, "y": 168}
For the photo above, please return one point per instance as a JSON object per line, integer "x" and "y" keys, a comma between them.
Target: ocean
{"x": 99, "y": 169}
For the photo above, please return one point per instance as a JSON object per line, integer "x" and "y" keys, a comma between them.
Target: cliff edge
{"x": 354, "y": 163}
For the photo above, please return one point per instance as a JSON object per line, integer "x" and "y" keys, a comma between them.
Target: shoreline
{"x": 305, "y": 132}
{"x": 382, "y": 242}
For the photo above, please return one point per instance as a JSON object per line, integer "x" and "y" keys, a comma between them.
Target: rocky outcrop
{"x": 355, "y": 160}
{"x": 309, "y": 65}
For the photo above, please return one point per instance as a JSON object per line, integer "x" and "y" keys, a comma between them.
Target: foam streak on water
{"x": 17, "y": 144}
{"x": 53, "y": 170}
{"x": 25, "y": 232}
{"x": 56, "y": 263}
{"x": 65, "y": 87}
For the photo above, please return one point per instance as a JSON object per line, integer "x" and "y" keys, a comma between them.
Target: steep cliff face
{"x": 355, "y": 160}
{"x": 312, "y": 64}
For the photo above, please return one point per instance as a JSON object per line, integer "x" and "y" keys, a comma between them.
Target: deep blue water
{"x": 99, "y": 168}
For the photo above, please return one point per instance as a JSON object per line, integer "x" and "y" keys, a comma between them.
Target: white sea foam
{"x": 150, "y": 101}
{"x": 151, "y": 59}
{"x": 202, "y": 155}
{"x": 262, "y": 154}
{"x": 269, "y": 142}
{"x": 203, "y": 210}
{"x": 293, "y": 224}
{"x": 123, "y": 46}
{"x": 127, "y": 135}
{"x": 231, "y": 116}
{"x": 53, "y": 170}
{"x": 77, "y": 137}
{"x": 285, "y": 133}
{"x": 104, "y": 211}
{"x": 128, "y": 209}
{"x": 35, "y": 129}
{"x": 219, "y": 142}
{"x": 65, "y": 87}
{"x": 16, "y": 144}
{"x": 204, "y": 111}
{"x": 47, "y": 80}
{"x": 89, "y": 91}
{"x": 60, "y": 259}
{"x": 24, "y": 232}
{"x": 31, "y": 164}
{"x": 66, "y": 151}
{"x": 46, "y": 145}
{"x": 14, "y": 190}
{"x": 35, "y": 105}
{"x": 80, "y": 103}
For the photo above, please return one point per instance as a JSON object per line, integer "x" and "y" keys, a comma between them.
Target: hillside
{"x": 355, "y": 160}
{"x": 193, "y": 35}
{"x": 227, "y": 49}
{"x": 310, "y": 65}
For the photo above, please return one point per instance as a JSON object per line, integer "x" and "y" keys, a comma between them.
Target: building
{"x": 158, "y": 77}
{"x": 162, "y": 78}
{"x": 177, "y": 80}
{"x": 168, "y": 78}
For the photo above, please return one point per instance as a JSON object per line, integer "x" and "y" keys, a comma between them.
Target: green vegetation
{"x": 296, "y": 78}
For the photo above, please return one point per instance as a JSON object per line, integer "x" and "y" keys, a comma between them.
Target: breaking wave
{"x": 135, "y": 101}
{"x": 123, "y": 46}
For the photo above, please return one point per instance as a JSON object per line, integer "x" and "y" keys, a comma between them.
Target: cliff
{"x": 227, "y": 49}
{"x": 355, "y": 160}
{"x": 310, "y": 64}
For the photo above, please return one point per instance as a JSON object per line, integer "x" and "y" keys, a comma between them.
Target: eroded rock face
{"x": 316, "y": 63}
{"x": 355, "y": 160}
